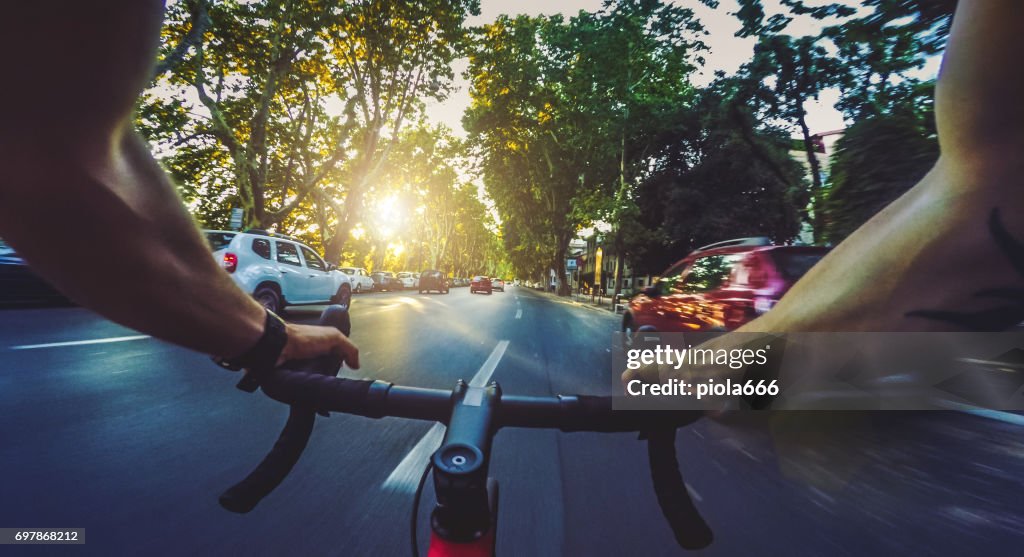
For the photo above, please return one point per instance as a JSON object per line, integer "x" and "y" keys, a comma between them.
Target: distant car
{"x": 361, "y": 281}
{"x": 498, "y": 284}
{"x": 20, "y": 285}
{"x": 720, "y": 286}
{"x": 408, "y": 279}
{"x": 385, "y": 280}
{"x": 480, "y": 284}
{"x": 277, "y": 270}
{"x": 433, "y": 280}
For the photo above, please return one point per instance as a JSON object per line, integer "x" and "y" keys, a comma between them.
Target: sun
{"x": 389, "y": 211}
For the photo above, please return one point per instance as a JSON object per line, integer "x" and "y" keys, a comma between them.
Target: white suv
{"x": 277, "y": 270}
{"x": 409, "y": 279}
{"x": 361, "y": 280}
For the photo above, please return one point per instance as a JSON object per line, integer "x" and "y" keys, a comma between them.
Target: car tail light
{"x": 762, "y": 305}
{"x": 230, "y": 262}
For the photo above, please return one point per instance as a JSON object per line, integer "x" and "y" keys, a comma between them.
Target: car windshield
{"x": 795, "y": 264}
{"x": 219, "y": 240}
{"x": 348, "y": 270}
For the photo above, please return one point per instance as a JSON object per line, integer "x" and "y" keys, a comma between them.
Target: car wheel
{"x": 344, "y": 296}
{"x": 268, "y": 298}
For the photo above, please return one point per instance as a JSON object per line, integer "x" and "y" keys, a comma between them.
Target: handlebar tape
{"x": 688, "y": 527}
{"x": 296, "y": 388}
{"x": 302, "y": 390}
{"x": 246, "y": 494}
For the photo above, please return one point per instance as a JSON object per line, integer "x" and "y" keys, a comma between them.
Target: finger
{"x": 348, "y": 351}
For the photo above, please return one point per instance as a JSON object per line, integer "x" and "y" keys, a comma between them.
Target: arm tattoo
{"x": 999, "y": 318}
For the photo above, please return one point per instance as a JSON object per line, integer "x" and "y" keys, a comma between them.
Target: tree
{"x": 784, "y": 73}
{"x": 716, "y": 177}
{"x": 305, "y": 101}
{"x": 878, "y": 159}
{"x": 563, "y": 111}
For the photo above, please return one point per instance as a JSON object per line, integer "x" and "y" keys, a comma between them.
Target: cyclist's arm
{"x": 83, "y": 200}
{"x": 979, "y": 112}
{"x": 920, "y": 263}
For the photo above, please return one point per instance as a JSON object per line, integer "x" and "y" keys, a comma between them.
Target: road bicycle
{"x": 465, "y": 515}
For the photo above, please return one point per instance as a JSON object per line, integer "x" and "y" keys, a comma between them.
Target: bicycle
{"x": 464, "y": 520}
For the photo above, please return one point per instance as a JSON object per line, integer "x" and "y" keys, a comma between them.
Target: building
{"x": 597, "y": 250}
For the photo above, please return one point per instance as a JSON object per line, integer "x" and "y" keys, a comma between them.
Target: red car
{"x": 480, "y": 284}
{"x": 721, "y": 286}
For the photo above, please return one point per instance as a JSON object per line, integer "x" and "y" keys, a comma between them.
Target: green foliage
{"x": 877, "y": 160}
{"x": 289, "y": 108}
{"x": 718, "y": 178}
{"x": 564, "y": 111}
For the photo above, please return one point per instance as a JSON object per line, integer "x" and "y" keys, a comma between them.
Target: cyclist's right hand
{"x": 306, "y": 342}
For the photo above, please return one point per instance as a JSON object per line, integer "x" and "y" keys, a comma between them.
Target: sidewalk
{"x": 603, "y": 304}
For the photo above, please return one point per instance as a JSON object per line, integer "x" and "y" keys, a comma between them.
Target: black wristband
{"x": 263, "y": 356}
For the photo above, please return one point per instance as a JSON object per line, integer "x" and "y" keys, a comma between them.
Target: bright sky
{"x": 728, "y": 52}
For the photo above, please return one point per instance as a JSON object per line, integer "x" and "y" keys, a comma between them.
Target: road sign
{"x": 236, "y": 218}
{"x": 570, "y": 264}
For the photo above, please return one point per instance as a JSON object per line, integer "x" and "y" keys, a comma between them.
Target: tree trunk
{"x": 620, "y": 261}
{"x": 816, "y": 185}
{"x": 559, "y": 265}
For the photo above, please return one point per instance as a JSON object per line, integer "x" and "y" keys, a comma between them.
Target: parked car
{"x": 498, "y": 284}
{"x": 361, "y": 281}
{"x": 433, "y": 280}
{"x": 385, "y": 280}
{"x": 480, "y": 284}
{"x": 19, "y": 284}
{"x": 720, "y": 286}
{"x": 409, "y": 279}
{"x": 277, "y": 270}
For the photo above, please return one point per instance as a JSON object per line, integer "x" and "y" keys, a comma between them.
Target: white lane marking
{"x": 483, "y": 375}
{"x": 519, "y": 314}
{"x": 998, "y": 415}
{"x": 78, "y": 342}
{"x": 406, "y": 476}
{"x": 693, "y": 493}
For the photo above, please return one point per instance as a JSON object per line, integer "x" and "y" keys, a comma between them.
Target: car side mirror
{"x": 651, "y": 292}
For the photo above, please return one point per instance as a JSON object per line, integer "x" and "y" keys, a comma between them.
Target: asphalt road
{"x": 134, "y": 439}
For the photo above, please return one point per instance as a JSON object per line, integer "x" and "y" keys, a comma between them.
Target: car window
{"x": 261, "y": 247}
{"x": 708, "y": 273}
{"x": 792, "y": 265}
{"x": 671, "y": 279}
{"x": 313, "y": 260}
{"x": 219, "y": 240}
{"x": 288, "y": 254}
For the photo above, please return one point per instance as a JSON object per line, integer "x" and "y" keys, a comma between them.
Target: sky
{"x": 728, "y": 52}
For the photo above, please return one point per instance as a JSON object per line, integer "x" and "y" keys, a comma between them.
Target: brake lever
{"x": 688, "y": 526}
